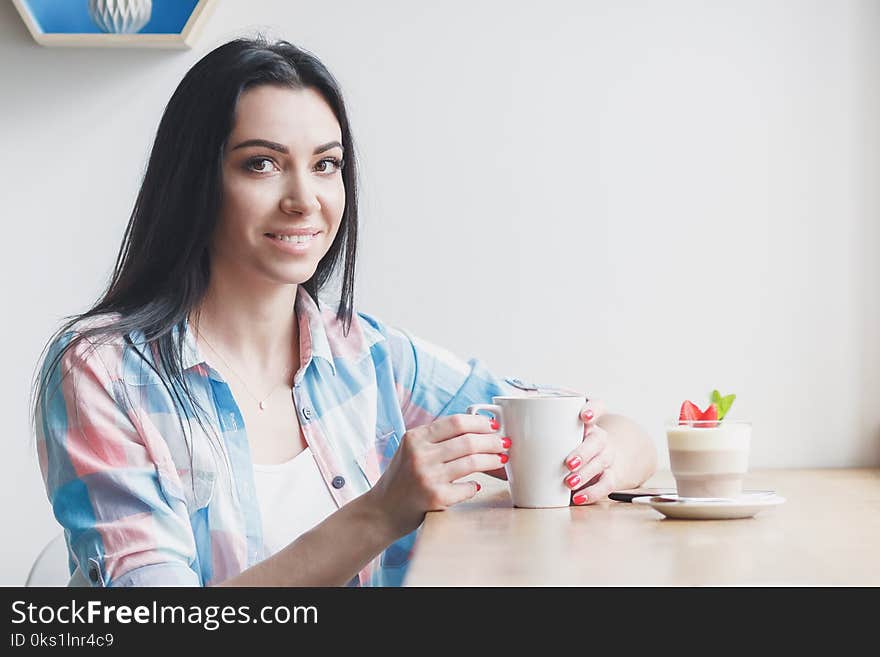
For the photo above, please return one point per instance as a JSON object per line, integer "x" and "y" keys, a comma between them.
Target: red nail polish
{"x": 579, "y": 499}
{"x": 494, "y": 424}
{"x": 573, "y": 480}
{"x": 588, "y": 415}
{"x": 478, "y": 487}
{"x": 505, "y": 442}
{"x": 574, "y": 463}
{"x": 504, "y": 457}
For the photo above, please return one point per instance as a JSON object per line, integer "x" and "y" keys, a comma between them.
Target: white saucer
{"x": 712, "y": 508}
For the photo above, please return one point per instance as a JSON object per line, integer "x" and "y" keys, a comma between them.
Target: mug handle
{"x": 494, "y": 409}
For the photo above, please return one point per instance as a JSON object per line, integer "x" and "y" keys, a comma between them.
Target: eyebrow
{"x": 281, "y": 148}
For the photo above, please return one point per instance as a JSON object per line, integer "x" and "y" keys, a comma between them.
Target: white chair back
{"x": 50, "y": 567}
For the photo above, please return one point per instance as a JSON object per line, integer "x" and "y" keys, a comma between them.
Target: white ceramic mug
{"x": 543, "y": 431}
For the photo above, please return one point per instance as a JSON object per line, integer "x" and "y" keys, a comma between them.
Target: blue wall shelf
{"x": 173, "y": 24}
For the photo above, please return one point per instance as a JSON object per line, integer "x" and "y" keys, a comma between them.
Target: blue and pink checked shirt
{"x": 137, "y": 511}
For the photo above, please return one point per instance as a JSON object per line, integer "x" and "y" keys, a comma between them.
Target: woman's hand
{"x": 430, "y": 458}
{"x": 591, "y": 465}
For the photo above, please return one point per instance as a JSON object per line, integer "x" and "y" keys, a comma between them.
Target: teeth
{"x": 298, "y": 239}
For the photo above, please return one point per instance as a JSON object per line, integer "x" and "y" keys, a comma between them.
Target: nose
{"x": 299, "y": 197}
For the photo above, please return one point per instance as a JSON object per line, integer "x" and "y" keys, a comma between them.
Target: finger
{"x": 473, "y": 443}
{"x": 593, "y": 443}
{"x": 466, "y": 465}
{"x": 596, "y": 492}
{"x": 450, "y": 426}
{"x": 461, "y": 492}
{"x": 583, "y": 476}
{"x": 592, "y": 411}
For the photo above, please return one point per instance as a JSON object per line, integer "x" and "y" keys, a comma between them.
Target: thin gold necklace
{"x": 260, "y": 402}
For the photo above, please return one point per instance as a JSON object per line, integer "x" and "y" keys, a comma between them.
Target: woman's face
{"x": 281, "y": 175}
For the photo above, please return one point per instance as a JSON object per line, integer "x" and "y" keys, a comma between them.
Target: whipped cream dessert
{"x": 709, "y": 461}
{"x": 709, "y": 456}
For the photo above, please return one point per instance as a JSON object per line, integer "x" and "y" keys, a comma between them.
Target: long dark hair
{"x": 163, "y": 268}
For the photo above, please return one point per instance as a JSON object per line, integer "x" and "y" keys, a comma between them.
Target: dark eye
{"x": 250, "y": 164}
{"x": 337, "y": 164}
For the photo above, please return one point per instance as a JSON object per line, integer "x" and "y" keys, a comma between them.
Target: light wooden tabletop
{"x": 827, "y": 533}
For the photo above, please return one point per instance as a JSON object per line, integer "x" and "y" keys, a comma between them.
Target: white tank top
{"x": 293, "y": 497}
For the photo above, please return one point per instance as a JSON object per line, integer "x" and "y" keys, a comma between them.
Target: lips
{"x": 309, "y": 232}
{"x": 296, "y": 246}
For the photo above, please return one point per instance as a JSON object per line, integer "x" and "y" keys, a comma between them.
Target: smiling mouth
{"x": 294, "y": 239}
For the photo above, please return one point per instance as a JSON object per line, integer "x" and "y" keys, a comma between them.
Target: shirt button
{"x": 93, "y": 573}
{"x": 338, "y": 482}
{"x": 307, "y": 413}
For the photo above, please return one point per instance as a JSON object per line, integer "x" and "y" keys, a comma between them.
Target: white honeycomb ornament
{"x": 121, "y": 16}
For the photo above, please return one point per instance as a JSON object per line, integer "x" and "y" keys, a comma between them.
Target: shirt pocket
{"x": 197, "y": 477}
{"x": 200, "y": 489}
{"x": 376, "y": 457}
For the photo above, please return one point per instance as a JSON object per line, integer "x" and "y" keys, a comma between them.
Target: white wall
{"x": 646, "y": 200}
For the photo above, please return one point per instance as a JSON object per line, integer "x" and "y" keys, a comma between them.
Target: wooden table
{"x": 826, "y": 533}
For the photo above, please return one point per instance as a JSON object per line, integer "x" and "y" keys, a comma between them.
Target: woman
{"x": 322, "y": 436}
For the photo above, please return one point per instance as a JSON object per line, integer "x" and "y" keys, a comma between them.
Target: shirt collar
{"x": 190, "y": 356}
{"x": 320, "y": 336}
{"x": 313, "y": 341}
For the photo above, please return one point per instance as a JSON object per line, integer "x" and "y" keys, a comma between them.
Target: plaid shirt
{"x": 138, "y": 510}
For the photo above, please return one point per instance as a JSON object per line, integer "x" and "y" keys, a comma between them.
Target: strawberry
{"x": 711, "y": 415}
{"x": 690, "y": 412}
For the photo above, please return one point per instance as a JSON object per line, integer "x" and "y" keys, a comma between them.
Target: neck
{"x": 253, "y": 327}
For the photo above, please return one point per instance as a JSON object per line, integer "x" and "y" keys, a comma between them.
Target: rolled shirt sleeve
{"x": 109, "y": 486}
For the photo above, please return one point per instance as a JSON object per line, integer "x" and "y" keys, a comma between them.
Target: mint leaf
{"x": 722, "y": 403}
{"x": 726, "y": 403}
